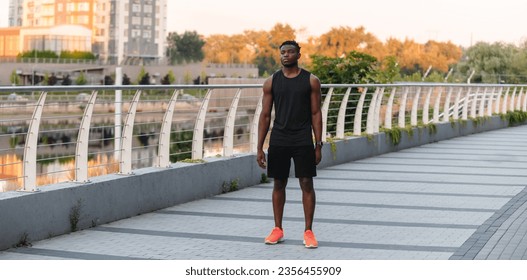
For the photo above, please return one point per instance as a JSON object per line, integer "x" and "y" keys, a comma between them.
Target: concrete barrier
{"x": 59, "y": 209}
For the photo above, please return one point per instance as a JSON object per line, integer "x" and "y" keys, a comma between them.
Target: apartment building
{"x": 120, "y": 31}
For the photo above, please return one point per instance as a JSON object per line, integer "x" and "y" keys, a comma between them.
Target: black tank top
{"x": 292, "y": 103}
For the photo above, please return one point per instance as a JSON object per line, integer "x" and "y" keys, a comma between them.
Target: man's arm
{"x": 316, "y": 115}
{"x": 264, "y": 121}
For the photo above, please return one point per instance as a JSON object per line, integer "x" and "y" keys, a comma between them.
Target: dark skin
{"x": 289, "y": 56}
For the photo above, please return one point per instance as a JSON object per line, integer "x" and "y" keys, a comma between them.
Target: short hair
{"x": 290, "y": 42}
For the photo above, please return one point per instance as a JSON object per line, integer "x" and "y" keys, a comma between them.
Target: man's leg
{"x": 308, "y": 200}
{"x": 279, "y": 200}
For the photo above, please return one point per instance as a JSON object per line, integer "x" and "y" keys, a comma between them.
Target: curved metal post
{"x": 513, "y": 99}
{"x": 499, "y": 94}
{"x": 125, "y": 161}
{"x": 402, "y": 108}
{"x": 426, "y": 106}
{"x": 437, "y": 104}
{"x": 505, "y": 101}
{"x": 482, "y": 102}
{"x": 457, "y": 100}
{"x": 253, "y": 141}
{"x": 81, "y": 150}
{"x": 30, "y": 147}
{"x": 357, "y": 130}
{"x": 341, "y": 119}
{"x": 199, "y": 127}
{"x": 490, "y": 102}
{"x": 228, "y": 134}
{"x": 446, "y": 106}
{"x": 415, "y": 106}
{"x": 464, "y": 114}
{"x": 374, "y": 127}
{"x": 377, "y": 116}
{"x": 370, "y": 119}
{"x": 518, "y": 102}
{"x": 325, "y": 111}
{"x": 163, "y": 148}
{"x": 524, "y": 105}
{"x": 389, "y": 110}
{"x": 474, "y": 104}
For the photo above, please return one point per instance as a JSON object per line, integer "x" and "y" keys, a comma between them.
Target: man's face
{"x": 289, "y": 55}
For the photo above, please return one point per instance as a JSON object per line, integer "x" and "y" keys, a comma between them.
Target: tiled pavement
{"x": 462, "y": 198}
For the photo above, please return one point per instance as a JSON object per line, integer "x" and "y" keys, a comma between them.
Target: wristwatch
{"x": 319, "y": 143}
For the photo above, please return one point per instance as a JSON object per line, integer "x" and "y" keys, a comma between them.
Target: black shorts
{"x": 279, "y": 161}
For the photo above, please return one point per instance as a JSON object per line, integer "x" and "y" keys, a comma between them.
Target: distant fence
{"x": 72, "y": 133}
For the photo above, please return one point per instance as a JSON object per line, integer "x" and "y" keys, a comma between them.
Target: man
{"x": 295, "y": 94}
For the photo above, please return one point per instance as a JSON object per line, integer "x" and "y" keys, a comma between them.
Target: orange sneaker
{"x": 309, "y": 239}
{"x": 277, "y": 235}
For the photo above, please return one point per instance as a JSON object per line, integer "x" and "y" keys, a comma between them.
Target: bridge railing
{"x": 73, "y": 133}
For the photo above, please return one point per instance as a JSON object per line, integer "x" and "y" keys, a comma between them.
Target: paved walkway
{"x": 458, "y": 199}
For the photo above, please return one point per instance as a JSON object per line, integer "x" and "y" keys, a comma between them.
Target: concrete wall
{"x": 47, "y": 213}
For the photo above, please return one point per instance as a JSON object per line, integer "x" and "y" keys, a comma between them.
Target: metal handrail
{"x": 195, "y": 121}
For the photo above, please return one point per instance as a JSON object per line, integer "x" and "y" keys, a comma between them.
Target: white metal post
{"x": 457, "y": 100}
{"x": 402, "y": 108}
{"x": 519, "y": 100}
{"x": 341, "y": 119}
{"x": 118, "y": 107}
{"x": 199, "y": 127}
{"x": 163, "y": 154}
{"x": 358, "y": 113}
{"x": 325, "y": 111}
{"x": 254, "y": 127}
{"x": 474, "y": 104}
{"x": 30, "y": 149}
{"x": 125, "y": 161}
{"x": 415, "y": 105}
{"x": 464, "y": 114}
{"x": 512, "y": 100}
{"x": 505, "y": 101}
{"x": 426, "y": 106}
{"x": 389, "y": 110}
{"x": 81, "y": 149}
{"x": 228, "y": 132}
{"x": 437, "y": 104}
{"x": 482, "y": 102}
{"x": 371, "y": 111}
{"x": 377, "y": 115}
{"x": 446, "y": 106}
{"x": 498, "y": 100}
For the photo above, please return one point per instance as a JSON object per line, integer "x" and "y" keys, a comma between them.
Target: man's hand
{"x": 260, "y": 159}
{"x": 318, "y": 154}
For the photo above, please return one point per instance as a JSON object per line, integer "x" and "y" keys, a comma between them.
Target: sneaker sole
{"x": 273, "y": 243}
{"x": 310, "y": 246}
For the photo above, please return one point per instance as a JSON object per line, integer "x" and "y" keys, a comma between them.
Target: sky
{"x": 463, "y": 22}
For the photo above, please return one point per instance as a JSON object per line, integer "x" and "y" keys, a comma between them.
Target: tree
{"x": 14, "y": 78}
{"x": 108, "y": 80}
{"x": 143, "y": 78}
{"x": 353, "y": 68}
{"x": 81, "y": 79}
{"x": 126, "y": 80}
{"x": 52, "y": 80}
{"x": 266, "y": 44}
{"x": 186, "y": 47}
{"x": 491, "y": 62}
{"x": 66, "y": 81}
{"x": 169, "y": 78}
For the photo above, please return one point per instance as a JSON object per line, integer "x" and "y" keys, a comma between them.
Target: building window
{"x": 136, "y": 20}
{"x": 148, "y": 8}
{"x": 147, "y": 21}
{"x": 136, "y": 8}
